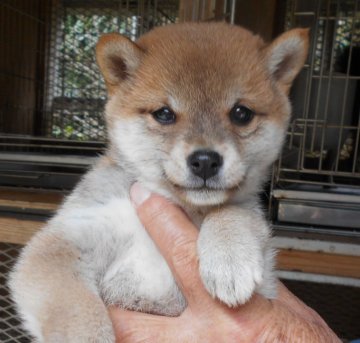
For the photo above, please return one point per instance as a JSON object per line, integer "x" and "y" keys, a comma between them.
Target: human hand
{"x": 285, "y": 319}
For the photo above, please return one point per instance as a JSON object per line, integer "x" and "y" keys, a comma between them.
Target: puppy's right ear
{"x": 118, "y": 58}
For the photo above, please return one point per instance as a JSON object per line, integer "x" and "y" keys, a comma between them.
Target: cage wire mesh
{"x": 323, "y": 140}
{"x": 10, "y": 326}
{"x": 76, "y": 93}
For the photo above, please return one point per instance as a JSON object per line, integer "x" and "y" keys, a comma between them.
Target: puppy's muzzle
{"x": 205, "y": 163}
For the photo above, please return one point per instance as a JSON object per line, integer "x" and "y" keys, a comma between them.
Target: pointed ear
{"x": 286, "y": 55}
{"x": 118, "y": 58}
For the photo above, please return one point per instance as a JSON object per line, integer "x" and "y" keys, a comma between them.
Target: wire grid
{"x": 76, "y": 92}
{"x": 10, "y": 325}
{"x": 323, "y": 139}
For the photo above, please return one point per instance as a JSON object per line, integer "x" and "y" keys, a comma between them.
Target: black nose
{"x": 205, "y": 163}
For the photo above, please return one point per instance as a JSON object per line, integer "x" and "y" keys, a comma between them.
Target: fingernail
{"x": 138, "y": 194}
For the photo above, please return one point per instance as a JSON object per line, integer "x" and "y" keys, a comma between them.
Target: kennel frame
{"x": 318, "y": 173}
{"x": 306, "y": 125}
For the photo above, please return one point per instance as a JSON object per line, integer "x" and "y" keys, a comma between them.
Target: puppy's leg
{"x": 55, "y": 301}
{"x": 234, "y": 255}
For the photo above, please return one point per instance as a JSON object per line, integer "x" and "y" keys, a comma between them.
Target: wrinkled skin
{"x": 285, "y": 319}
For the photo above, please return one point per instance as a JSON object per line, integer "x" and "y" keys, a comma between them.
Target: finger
{"x": 175, "y": 235}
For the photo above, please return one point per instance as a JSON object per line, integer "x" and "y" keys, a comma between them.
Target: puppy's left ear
{"x": 118, "y": 58}
{"x": 286, "y": 55}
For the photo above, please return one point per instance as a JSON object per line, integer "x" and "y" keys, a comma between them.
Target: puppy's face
{"x": 199, "y": 110}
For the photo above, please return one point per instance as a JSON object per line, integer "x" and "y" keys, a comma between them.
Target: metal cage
{"x": 319, "y": 169}
{"x": 52, "y": 93}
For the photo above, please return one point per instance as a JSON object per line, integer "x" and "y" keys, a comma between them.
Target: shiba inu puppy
{"x": 196, "y": 112}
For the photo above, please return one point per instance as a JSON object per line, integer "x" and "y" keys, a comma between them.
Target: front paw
{"x": 231, "y": 275}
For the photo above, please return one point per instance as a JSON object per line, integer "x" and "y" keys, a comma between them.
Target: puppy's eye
{"x": 241, "y": 115}
{"x": 164, "y": 116}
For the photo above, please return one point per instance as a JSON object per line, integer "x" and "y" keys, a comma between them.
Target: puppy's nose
{"x": 205, "y": 163}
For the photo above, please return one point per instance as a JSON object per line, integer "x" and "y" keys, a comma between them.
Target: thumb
{"x": 175, "y": 236}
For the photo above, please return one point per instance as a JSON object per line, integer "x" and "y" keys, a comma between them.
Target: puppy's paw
{"x": 231, "y": 276}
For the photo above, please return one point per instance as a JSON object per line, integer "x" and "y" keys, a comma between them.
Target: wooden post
{"x": 257, "y": 16}
{"x": 197, "y": 10}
